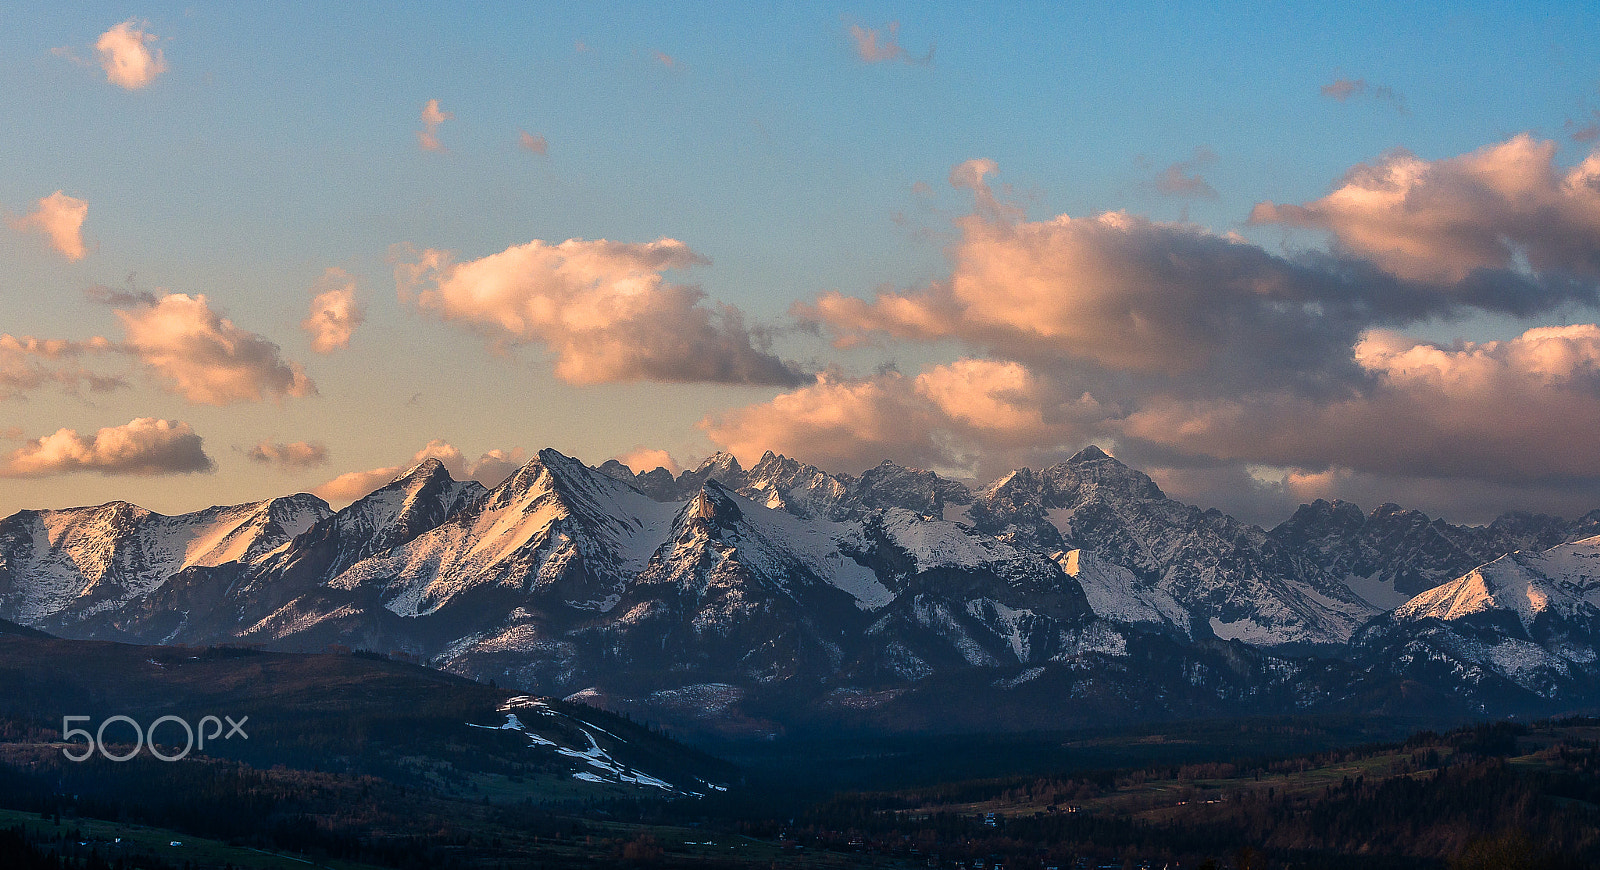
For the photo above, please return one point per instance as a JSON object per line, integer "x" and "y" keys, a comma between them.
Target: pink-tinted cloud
{"x": 28, "y": 363}
{"x": 664, "y": 59}
{"x": 1178, "y": 308}
{"x": 293, "y": 456}
{"x": 494, "y": 466}
{"x": 432, "y": 117}
{"x": 974, "y": 415}
{"x": 204, "y": 357}
{"x": 601, "y": 307}
{"x": 1526, "y": 409}
{"x": 127, "y": 57}
{"x": 1504, "y": 207}
{"x": 534, "y": 142}
{"x": 59, "y": 218}
{"x": 882, "y": 46}
{"x": 144, "y": 446}
{"x": 642, "y": 459}
{"x": 489, "y": 469}
{"x": 335, "y": 314}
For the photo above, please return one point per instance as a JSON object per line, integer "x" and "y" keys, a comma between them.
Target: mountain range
{"x": 783, "y": 597}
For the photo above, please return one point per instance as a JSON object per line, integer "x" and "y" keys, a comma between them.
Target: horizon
{"x": 1264, "y": 258}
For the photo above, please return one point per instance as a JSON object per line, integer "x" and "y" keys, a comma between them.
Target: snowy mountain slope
{"x": 805, "y": 490}
{"x": 555, "y": 531}
{"x": 69, "y": 565}
{"x": 1530, "y": 619}
{"x": 1551, "y": 592}
{"x": 591, "y": 751}
{"x": 416, "y": 501}
{"x": 1116, "y": 594}
{"x": 1393, "y": 553}
{"x": 1229, "y": 576}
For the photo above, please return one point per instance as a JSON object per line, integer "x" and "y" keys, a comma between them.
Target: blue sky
{"x": 279, "y": 143}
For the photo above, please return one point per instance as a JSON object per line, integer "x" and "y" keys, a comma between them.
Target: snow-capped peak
{"x": 1559, "y": 583}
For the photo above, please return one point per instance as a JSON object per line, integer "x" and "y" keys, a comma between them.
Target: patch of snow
{"x": 1026, "y": 676}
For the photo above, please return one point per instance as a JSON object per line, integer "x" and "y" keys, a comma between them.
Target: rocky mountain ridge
{"x": 755, "y": 599}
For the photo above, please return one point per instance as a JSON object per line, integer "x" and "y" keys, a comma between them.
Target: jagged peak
{"x": 416, "y": 478}
{"x": 713, "y": 503}
{"x": 615, "y": 470}
{"x": 1092, "y": 453}
{"x": 721, "y": 461}
{"x": 1017, "y": 478}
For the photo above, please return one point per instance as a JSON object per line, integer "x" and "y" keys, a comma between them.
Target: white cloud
{"x": 144, "y": 446}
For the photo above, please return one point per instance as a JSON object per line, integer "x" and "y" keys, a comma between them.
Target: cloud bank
{"x": 1208, "y": 358}
{"x": 28, "y": 363}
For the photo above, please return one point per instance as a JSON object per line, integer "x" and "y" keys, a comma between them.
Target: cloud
{"x": 335, "y": 314}
{"x": 875, "y": 46}
{"x": 642, "y": 459}
{"x": 664, "y": 59}
{"x": 204, "y": 357}
{"x": 100, "y": 294}
{"x": 1344, "y": 90}
{"x": 533, "y": 142}
{"x": 144, "y": 446}
{"x": 1173, "y": 307}
{"x": 1211, "y": 358}
{"x": 1505, "y": 208}
{"x": 28, "y": 363}
{"x": 601, "y": 307}
{"x": 59, "y": 218}
{"x": 490, "y": 469}
{"x": 1527, "y": 409}
{"x": 294, "y": 456}
{"x": 126, "y": 56}
{"x": 976, "y": 416}
{"x": 1183, "y": 180}
{"x": 432, "y": 117}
